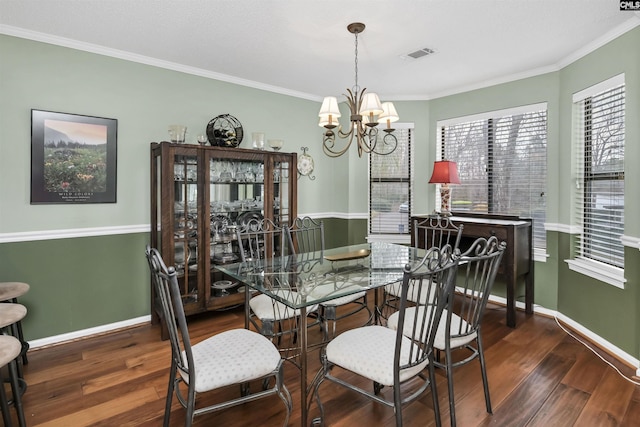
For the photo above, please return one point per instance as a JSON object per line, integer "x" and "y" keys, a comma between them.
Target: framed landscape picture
{"x": 73, "y": 158}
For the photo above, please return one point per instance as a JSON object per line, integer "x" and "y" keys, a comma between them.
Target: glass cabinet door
{"x": 236, "y": 196}
{"x": 281, "y": 198}
{"x": 185, "y": 225}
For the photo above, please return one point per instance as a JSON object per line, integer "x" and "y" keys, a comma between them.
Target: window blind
{"x": 502, "y": 164}
{"x": 390, "y": 180}
{"x": 599, "y": 198}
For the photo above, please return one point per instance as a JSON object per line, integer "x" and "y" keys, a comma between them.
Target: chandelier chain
{"x": 356, "y": 88}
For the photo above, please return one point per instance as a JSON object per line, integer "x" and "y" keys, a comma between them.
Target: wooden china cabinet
{"x": 199, "y": 196}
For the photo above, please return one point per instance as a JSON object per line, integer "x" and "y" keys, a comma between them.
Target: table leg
{"x": 528, "y": 292}
{"x": 511, "y": 305}
{"x": 247, "y": 309}
{"x": 378, "y": 301}
{"x": 303, "y": 367}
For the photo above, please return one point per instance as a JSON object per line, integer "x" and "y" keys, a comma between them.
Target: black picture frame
{"x": 73, "y": 158}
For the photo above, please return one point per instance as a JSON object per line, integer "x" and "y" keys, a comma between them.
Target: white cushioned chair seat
{"x": 232, "y": 357}
{"x": 441, "y": 334}
{"x": 322, "y": 291}
{"x": 368, "y": 351}
{"x": 343, "y": 300}
{"x": 266, "y": 308}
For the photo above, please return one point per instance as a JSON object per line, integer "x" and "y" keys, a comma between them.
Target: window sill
{"x": 599, "y": 271}
{"x": 540, "y": 255}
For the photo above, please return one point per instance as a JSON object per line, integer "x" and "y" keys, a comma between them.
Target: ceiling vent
{"x": 420, "y": 53}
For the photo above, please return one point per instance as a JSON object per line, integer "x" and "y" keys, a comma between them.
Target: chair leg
{"x": 377, "y": 387}
{"x": 483, "y": 369}
{"x": 284, "y": 394}
{"x": 170, "y": 391}
{"x": 324, "y": 370}
{"x": 15, "y": 386}
{"x": 434, "y": 393}
{"x": 397, "y": 404}
{"x": 452, "y": 404}
{"x": 6, "y": 415}
{"x": 191, "y": 405}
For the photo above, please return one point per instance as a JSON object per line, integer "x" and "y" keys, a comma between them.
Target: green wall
{"x": 342, "y": 232}
{"x": 609, "y": 312}
{"x": 79, "y": 283}
{"x": 145, "y": 100}
{"x": 83, "y": 282}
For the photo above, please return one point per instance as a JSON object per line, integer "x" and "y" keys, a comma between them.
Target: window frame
{"x": 405, "y": 236}
{"x": 579, "y": 261}
{"x": 490, "y": 119}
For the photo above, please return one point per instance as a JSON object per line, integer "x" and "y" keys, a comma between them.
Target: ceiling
{"x": 302, "y": 47}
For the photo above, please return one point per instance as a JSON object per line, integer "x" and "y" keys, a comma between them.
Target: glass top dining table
{"x": 305, "y": 280}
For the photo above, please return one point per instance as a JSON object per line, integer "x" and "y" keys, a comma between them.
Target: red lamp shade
{"x": 444, "y": 172}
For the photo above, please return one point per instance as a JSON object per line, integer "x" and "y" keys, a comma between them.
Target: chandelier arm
{"x": 328, "y": 142}
{"x": 367, "y": 138}
{"x": 388, "y": 140}
{"x": 345, "y": 135}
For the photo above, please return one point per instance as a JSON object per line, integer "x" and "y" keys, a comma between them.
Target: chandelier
{"x": 366, "y": 112}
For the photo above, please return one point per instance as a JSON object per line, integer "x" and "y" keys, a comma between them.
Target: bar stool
{"x": 10, "y": 349}
{"x": 10, "y": 314}
{"x": 9, "y": 292}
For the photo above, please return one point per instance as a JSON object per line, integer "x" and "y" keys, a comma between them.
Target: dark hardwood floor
{"x": 538, "y": 376}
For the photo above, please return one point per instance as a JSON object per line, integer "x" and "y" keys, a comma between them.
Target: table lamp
{"x": 445, "y": 172}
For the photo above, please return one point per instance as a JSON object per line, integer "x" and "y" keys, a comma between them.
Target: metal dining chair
{"x": 433, "y": 231}
{"x": 460, "y": 327}
{"x": 233, "y": 357}
{"x": 463, "y": 317}
{"x": 306, "y": 242}
{"x": 391, "y": 358}
{"x": 264, "y": 244}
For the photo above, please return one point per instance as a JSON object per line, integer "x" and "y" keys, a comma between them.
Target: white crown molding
{"x": 626, "y": 26}
{"x": 30, "y": 236}
{"x": 494, "y": 82}
{"x": 101, "y": 50}
{"x": 127, "y": 56}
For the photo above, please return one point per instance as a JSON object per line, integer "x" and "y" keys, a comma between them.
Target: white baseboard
{"x": 602, "y": 343}
{"x": 71, "y": 336}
